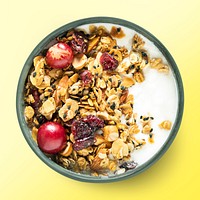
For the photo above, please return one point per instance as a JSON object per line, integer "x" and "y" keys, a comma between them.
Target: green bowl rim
{"x": 20, "y": 102}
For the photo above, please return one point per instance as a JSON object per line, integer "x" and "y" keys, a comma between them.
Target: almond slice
{"x": 79, "y": 61}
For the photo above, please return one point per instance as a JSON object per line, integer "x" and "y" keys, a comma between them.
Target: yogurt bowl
{"x": 114, "y": 105}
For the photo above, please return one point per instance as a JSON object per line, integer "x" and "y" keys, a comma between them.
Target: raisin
{"x": 108, "y": 62}
{"x": 128, "y": 165}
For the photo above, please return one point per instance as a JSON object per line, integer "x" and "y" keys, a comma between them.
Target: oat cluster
{"x": 63, "y": 95}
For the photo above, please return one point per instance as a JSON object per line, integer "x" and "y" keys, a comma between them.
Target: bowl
{"x": 47, "y": 42}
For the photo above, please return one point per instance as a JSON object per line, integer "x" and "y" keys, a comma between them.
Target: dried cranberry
{"x": 84, "y": 129}
{"x": 79, "y": 43}
{"x": 36, "y": 97}
{"x": 108, "y": 61}
{"x": 83, "y": 143}
{"x": 86, "y": 77}
{"x": 94, "y": 122}
{"x": 80, "y": 129}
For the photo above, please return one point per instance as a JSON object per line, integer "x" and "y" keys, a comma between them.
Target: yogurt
{"x": 156, "y": 96}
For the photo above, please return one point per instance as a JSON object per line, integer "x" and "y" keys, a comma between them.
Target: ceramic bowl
{"x": 45, "y": 43}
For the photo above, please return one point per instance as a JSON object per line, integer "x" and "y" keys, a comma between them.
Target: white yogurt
{"x": 156, "y": 96}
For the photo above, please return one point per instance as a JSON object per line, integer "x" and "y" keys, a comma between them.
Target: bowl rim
{"x": 20, "y": 102}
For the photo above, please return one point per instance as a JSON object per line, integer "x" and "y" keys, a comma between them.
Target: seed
{"x": 113, "y": 106}
{"x": 122, "y": 88}
{"x": 34, "y": 74}
{"x": 151, "y": 130}
{"x": 141, "y": 117}
{"x": 127, "y": 123}
{"x": 64, "y": 115}
{"x": 68, "y": 107}
{"x": 118, "y": 29}
{"x": 131, "y": 66}
{"x": 146, "y": 118}
{"x": 152, "y": 118}
{"x": 94, "y": 67}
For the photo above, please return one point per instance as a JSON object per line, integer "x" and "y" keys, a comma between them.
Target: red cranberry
{"x": 51, "y": 137}
{"x": 59, "y": 55}
{"x": 108, "y": 61}
{"x": 79, "y": 43}
{"x": 86, "y": 77}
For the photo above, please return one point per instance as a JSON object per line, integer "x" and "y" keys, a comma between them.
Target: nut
{"x": 157, "y": 63}
{"x": 119, "y": 149}
{"x": 73, "y": 79}
{"x": 79, "y": 61}
{"x": 127, "y": 82}
{"x": 138, "y": 43}
{"x": 68, "y": 110}
{"x": 99, "y": 139}
{"x": 110, "y": 133}
{"x": 34, "y": 134}
{"x": 48, "y": 108}
{"x": 68, "y": 150}
{"x": 138, "y": 76}
{"x": 165, "y": 125}
{"x": 29, "y": 112}
{"x": 93, "y": 43}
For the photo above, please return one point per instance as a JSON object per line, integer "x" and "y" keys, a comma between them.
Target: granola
{"x": 90, "y": 97}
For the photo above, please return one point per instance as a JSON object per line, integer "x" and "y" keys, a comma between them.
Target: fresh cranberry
{"x": 108, "y": 61}
{"x": 59, "y": 55}
{"x": 51, "y": 137}
{"x": 79, "y": 43}
{"x": 86, "y": 77}
{"x": 83, "y": 143}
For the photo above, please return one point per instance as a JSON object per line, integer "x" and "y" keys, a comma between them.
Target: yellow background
{"x": 24, "y": 24}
